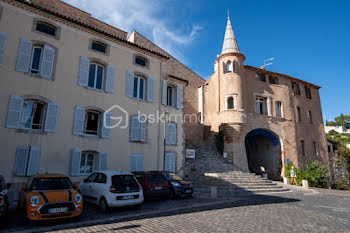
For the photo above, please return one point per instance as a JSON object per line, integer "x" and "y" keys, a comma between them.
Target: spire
{"x": 230, "y": 44}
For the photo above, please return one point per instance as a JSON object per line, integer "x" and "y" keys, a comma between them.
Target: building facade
{"x": 267, "y": 118}
{"x": 67, "y": 79}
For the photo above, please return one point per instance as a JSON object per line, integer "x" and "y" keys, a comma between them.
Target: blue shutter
{"x": 103, "y": 161}
{"x": 136, "y": 162}
{"x": 21, "y": 161}
{"x": 47, "y": 61}
{"x": 23, "y": 55}
{"x": 150, "y": 89}
{"x": 139, "y": 163}
{"x": 135, "y": 129}
{"x": 179, "y": 96}
{"x": 164, "y": 92}
{"x": 33, "y": 162}
{"x": 107, "y": 122}
{"x": 14, "y": 112}
{"x": 173, "y": 134}
{"x": 84, "y": 67}
{"x": 3, "y": 39}
{"x": 51, "y": 117}
{"x": 75, "y": 163}
{"x": 143, "y": 129}
{"x": 129, "y": 87}
{"x": 110, "y": 76}
{"x": 79, "y": 118}
{"x": 132, "y": 163}
{"x": 170, "y": 162}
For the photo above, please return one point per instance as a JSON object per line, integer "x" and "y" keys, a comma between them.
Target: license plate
{"x": 189, "y": 191}
{"x": 58, "y": 210}
{"x": 128, "y": 197}
{"x": 157, "y": 188}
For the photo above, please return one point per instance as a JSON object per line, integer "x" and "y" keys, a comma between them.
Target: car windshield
{"x": 52, "y": 183}
{"x": 173, "y": 177}
{"x": 155, "y": 178}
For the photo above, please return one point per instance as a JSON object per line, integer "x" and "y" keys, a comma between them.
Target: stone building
{"x": 267, "y": 118}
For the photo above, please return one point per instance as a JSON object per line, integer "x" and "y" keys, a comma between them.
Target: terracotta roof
{"x": 81, "y": 18}
{"x": 283, "y": 75}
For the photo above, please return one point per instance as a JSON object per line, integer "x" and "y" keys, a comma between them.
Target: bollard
{"x": 286, "y": 180}
{"x": 264, "y": 175}
{"x": 305, "y": 184}
{"x": 213, "y": 192}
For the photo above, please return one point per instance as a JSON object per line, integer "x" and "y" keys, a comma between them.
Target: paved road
{"x": 296, "y": 211}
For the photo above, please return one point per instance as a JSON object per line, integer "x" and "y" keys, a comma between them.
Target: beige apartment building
{"x": 67, "y": 79}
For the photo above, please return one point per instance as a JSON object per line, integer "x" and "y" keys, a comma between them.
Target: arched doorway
{"x": 264, "y": 153}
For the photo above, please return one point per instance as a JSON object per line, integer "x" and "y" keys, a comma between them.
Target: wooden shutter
{"x": 143, "y": 130}
{"x": 75, "y": 162}
{"x": 139, "y": 163}
{"x": 135, "y": 129}
{"x": 133, "y": 163}
{"x": 107, "y": 122}
{"x": 47, "y": 61}
{"x": 170, "y": 162}
{"x": 3, "y": 39}
{"x": 168, "y": 133}
{"x": 14, "y": 112}
{"x": 51, "y": 117}
{"x": 103, "y": 161}
{"x": 79, "y": 118}
{"x": 179, "y": 96}
{"x": 164, "y": 92}
{"x": 173, "y": 133}
{"x": 150, "y": 89}
{"x": 21, "y": 160}
{"x": 84, "y": 67}
{"x": 23, "y": 55}
{"x": 33, "y": 162}
{"x": 129, "y": 89}
{"x": 110, "y": 76}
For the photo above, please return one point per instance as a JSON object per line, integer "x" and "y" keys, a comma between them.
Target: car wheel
{"x": 103, "y": 205}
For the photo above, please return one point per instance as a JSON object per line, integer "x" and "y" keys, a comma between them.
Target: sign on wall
{"x": 190, "y": 153}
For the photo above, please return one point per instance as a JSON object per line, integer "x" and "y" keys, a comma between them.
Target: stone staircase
{"x": 210, "y": 169}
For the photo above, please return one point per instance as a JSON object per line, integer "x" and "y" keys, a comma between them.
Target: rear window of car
{"x": 155, "y": 178}
{"x": 121, "y": 180}
{"x": 59, "y": 183}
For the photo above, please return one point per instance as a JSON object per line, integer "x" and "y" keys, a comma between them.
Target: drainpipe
{"x": 159, "y": 110}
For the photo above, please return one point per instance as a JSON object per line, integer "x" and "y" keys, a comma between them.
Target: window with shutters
{"x": 278, "y": 109}
{"x": 92, "y": 122}
{"x": 139, "y": 89}
{"x": 33, "y": 115}
{"x": 260, "y": 105}
{"x": 138, "y": 129}
{"x": 170, "y": 162}
{"x": 171, "y": 134}
{"x": 171, "y": 92}
{"x": 46, "y": 28}
{"x": 88, "y": 161}
{"x": 36, "y": 59}
{"x": 27, "y": 161}
{"x": 141, "y": 61}
{"x": 295, "y": 88}
{"x": 96, "y": 76}
{"x": 99, "y": 46}
{"x": 136, "y": 162}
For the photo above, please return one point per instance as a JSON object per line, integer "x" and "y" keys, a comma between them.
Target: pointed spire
{"x": 230, "y": 44}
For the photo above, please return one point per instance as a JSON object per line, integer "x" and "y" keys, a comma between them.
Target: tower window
{"x": 229, "y": 67}
{"x": 98, "y": 46}
{"x": 230, "y": 102}
{"x": 46, "y": 28}
{"x": 260, "y": 77}
{"x": 296, "y": 89}
{"x": 260, "y": 105}
{"x": 308, "y": 92}
{"x": 273, "y": 80}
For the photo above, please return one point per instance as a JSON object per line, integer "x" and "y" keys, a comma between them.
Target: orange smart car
{"x": 51, "y": 197}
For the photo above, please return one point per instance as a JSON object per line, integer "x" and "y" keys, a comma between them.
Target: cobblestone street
{"x": 296, "y": 211}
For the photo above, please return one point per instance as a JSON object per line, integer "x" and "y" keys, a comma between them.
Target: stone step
{"x": 233, "y": 192}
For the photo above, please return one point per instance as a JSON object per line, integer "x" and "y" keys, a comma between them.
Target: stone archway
{"x": 263, "y": 149}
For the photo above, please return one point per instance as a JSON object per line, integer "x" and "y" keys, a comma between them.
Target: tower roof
{"x": 230, "y": 44}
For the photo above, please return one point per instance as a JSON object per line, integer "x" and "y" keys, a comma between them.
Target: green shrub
{"x": 298, "y": 172}
{"x": 341, "y": 186}
{"x": 315, "y": 174}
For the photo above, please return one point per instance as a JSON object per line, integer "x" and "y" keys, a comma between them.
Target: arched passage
{"x": 264, "y": 153}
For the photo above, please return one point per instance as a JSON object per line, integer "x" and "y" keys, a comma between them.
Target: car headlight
{"x": 34, "y": 200}
{"x": 77, "y": 198}
{"x": 176, "y": 184}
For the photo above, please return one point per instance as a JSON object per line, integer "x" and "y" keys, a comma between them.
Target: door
{"x": 85, "y": 188}
{"x": 98, "y": 187}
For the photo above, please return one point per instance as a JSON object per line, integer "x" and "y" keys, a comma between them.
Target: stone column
{"x": 269, "y": 106}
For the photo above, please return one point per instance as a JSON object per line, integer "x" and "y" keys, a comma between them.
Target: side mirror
{"x": 76, "y": 185}
{"x": 8, "y": 185}
{"x": 24, "y": 187}
{"x": 85, "y": 180}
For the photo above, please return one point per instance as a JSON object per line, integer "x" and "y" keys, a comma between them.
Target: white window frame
{"x": 42, "y": 120}
{"x": 32, "y": 58}
{"x": 95, "y": 80}
{"x": 229, "y": 67}
{"x": 94, "y": 158}
{"x": 138, "y": 87}
{"x": 173, "y": 134}
{"x": 258, "y": 101}
{"x": 279, "y": 109}
{"x": 172, "y": 97}
{"x": 100, "y": 118}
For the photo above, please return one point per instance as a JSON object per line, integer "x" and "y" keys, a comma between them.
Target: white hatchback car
{"x": 112, "y": 189}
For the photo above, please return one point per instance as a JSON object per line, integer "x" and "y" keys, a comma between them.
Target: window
{"x": 229, "y": 67}
{"x": 27, "y": 160}
{"x": 296, "y": 89}
{"x": 298, "y": 114}
{"x": 309, "y": 116}
{"x": 314, "y": 148}
{"x": 91, "y": 178}
{"x": 87, "y": 162}
{"x": 33, "y": 115}
{"x": 98, "y": 46}
{"x": 138, "y": 129}
{"x": 170, "y": 137}
{"x": 260, "y": 77}
{"x": 171, "y": 96}
{"x": 308, "y": 92}
{"x": 273, "y": 80}
{"x": 36, "y": 59}
{"x": 302, "y": 147}
{"x": 101, "y": 178}
{"x": 141, "y": 61}
{"x": 230, "y": 102}
{"x": 136, "y": 162}
{"x": 92, "y": 122}
{"x": 46, "y": 28}
{"x": 139, "y": 88}
{"x": 330, "y": 148}
{"x": 170, "y": 162}
{"x": 278, "y": 109}
{"x": 96, "y": 76}
{"x": 260, "y": 105}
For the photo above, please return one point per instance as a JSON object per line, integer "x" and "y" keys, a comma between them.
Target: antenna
{"x": 267, "y": 64}
{"x": 228, "y": 14}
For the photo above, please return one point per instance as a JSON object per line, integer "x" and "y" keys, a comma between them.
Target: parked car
{"x": 4, "y": 205}
{"x": 112, "y": 189}
{"x": 51, "y": 197}
{"x": 153, "y": 183}
{"x": 178, "y": 186}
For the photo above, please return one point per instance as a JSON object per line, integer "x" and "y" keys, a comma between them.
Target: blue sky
{"x": 309, "y": 39}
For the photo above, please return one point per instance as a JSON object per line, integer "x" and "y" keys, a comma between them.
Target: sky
{"x": 309, "y": 39}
